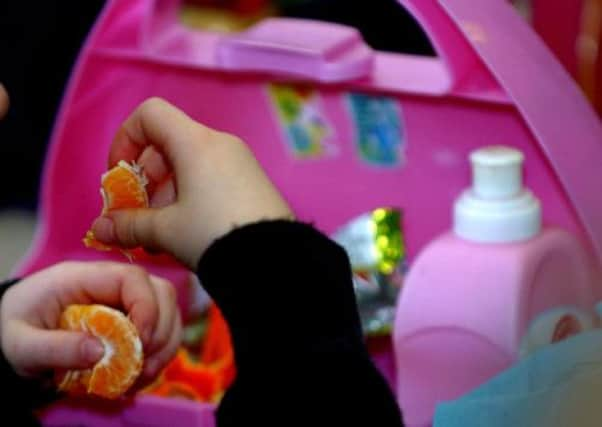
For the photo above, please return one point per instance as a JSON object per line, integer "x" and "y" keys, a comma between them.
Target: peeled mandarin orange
{"x": 122, "y": 187}
{"x": 123, "y": 357}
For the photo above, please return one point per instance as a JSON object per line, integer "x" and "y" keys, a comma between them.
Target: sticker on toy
{"x": 379, "y": 130}
{"x": 307, "y": 131}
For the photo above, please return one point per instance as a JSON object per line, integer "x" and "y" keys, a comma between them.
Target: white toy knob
{"x": 497, "y": 172}
{"x": 497, "y": 209}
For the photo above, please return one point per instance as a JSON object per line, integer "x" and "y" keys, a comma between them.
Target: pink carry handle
{"x": 557, "y": 126}
{"x": 312, "y": 50}
{"x": 462, "y": 64}
{"x": 309, "y": 49}
{"x": 160, "y": 20}
{"x": 301, "y": 48}
{"x": 492, "y": 28}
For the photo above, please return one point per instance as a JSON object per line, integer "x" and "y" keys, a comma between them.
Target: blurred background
{"x": 39, "y": 42}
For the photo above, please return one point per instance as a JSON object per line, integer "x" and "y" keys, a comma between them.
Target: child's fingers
{"x": 168, "y": 313}
{"x": 157, "y": 361}
{"x": 164, "y": 194}
{"x": 36, "y": 349}
{"x": 113, "y": 284}
{"x": 129, "y": 228}
{"x": 123, "y": 148}
{"x": 4, "y": 101}
{"x": 154, "y": 167}
{"x": 156, "y": 122}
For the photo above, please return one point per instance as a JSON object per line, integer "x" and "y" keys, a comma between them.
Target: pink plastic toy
{"x": 367, "y": 129}
{"x": 499, "y": 285}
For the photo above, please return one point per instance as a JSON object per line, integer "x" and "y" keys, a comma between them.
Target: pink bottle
{"x": 494, "y": 289}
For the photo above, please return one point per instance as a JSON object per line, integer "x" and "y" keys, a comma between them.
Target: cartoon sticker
{"x": 307, "y": 131}
{"x": 379, "y": 129}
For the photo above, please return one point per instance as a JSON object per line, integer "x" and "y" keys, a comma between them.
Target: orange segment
{"x": 122, "y": 187}
{"x": 122, "y": 362}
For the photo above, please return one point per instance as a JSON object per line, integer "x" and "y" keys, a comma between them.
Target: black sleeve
{"x": 21, "y": 396}
{"x": 286, "y": 292}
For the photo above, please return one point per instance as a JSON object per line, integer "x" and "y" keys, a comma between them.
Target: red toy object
{"x": 206, "y": 377}
{"x": 244, "y": 7}
{"x": 589, "y": 55}
{"x": 573, "y": 31}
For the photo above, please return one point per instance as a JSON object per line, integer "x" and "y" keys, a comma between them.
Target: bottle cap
{"x": 497, "y": 208}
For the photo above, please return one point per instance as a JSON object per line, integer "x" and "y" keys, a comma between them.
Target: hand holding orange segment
{"x": 210, "y": 183}
{"x": 123, "y": 357}
{"x": 122, "y": 187}
{"x": 35, "y": 335}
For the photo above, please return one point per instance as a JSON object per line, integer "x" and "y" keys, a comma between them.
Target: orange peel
{"x": 203, "y": 377}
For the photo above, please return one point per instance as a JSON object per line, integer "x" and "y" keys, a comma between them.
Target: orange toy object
{"x": 122, "y": 187}
{"x": 204, "y": 379}
{"x": 122, "y": 362}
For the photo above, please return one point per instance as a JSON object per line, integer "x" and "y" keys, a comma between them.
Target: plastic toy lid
{"x": 497, "y": 209}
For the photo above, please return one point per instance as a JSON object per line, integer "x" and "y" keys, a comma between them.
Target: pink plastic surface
{"x": 301, "y": 48}
{"x": 479, "y": 311}
{"x": 499, "y": 330}
{"x": 148, "y": 411}
{"x": 536, "y": 91}
{"x": 486, "y": 88}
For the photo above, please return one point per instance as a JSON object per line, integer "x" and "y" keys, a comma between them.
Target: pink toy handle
{"x": 309, "y": 49}
{"x": 448, "y": 41}
{"x": 314, "y": 50}
{"x": 565, "y": 125}
{"x": 160, "y": 20}
{"x": 497, "y": 37}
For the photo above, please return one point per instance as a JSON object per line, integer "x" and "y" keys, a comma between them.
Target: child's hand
{"x": 3, "y": 101}
{"x": 202, "y": 183}
{"x": 30, "y": 311}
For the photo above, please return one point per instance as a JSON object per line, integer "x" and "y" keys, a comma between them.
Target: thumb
{"x": 55, "y": 349}
{"x": 127, "y": 228}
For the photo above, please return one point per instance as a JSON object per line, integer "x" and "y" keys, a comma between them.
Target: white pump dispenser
{"x": 497, "y": 209}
